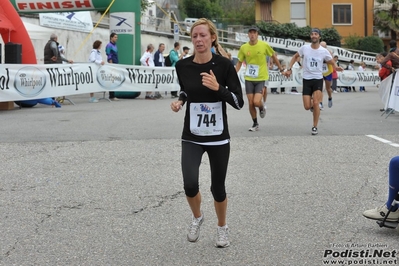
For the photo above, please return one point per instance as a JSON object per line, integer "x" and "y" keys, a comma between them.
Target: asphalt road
{"x": 100, "y": 184}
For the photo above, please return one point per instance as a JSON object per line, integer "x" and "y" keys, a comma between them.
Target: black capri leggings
{"x": 191, "y": 160}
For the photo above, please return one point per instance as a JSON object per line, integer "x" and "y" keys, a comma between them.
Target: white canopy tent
{"x": 37, "y": 32}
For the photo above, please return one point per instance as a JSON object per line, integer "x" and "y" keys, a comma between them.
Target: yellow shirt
{"x": 255, "y": 58}
{"x": 327, "y": 69}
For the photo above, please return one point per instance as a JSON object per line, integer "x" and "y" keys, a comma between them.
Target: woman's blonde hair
{"x": 212, "y": 29}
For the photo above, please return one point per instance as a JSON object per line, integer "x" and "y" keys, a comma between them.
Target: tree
{"x": 386, "y": 17}
{"x": 209, "y": 9}
{"x": 144, "y": 5}
{"x": 331, "y": 36}
{"x": 238, "y": 12}
{"x": 371, "y": 44}
{"x": 352, "y": 41}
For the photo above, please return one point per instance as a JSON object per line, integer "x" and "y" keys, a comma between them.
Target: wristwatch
{"x": 288, "y": 69}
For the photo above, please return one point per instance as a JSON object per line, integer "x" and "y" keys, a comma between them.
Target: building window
{"x": 342, "y": 14}
{"x": 298, "y": 11}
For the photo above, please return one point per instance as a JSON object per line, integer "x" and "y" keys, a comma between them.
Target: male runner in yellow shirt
{"x": 254, "y": 53}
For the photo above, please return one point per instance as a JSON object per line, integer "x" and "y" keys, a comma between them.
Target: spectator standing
{"x": 159, "y": 61}
{"x": 385, "y": 69}
{"x": 174, "y": 57}
{"x": 334, "y": 76}
{"x": 61, "y": 50}
{"x": 185, "y": 54}
{"x": 95, "y": 57}
{"x": 351, "y": 67}
{"x": 361, "y": 68}
{"x": 147, "y": 59}
{"x": 111, "y": 51}
{"x": 51, "y": 52}
{"x": 52, "y": 55}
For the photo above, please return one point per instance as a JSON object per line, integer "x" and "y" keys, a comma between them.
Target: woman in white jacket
{"x": 95, "y": 57}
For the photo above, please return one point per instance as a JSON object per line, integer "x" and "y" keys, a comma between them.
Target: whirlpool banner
{"x": 27, "y": 82}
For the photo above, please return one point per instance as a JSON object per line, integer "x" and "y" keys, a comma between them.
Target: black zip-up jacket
{"x": 192, "y": 91}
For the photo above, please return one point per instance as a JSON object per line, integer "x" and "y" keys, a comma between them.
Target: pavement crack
{"x": 160, "y": 202}
{"x": 167, "y": 198}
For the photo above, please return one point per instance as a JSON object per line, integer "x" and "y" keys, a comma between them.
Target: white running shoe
{"x": 380, "y": 212}
{"x": 255, "y": 127}
{"x": 222, "y": 237}
{"x": 194, "y": 229}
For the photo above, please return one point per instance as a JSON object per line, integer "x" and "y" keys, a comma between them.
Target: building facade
{"x": 283, "y": 11}
{"x": 348, "y": 17}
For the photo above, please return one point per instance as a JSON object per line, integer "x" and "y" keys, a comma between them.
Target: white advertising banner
{"x": 294, "y": 45}
{"x": 75, "y": 21}
{"x": 347, "y": 78}
{"x": 27, "y": 82}
{"x": 384, "y": 90}
{"x": 393, "y": 101}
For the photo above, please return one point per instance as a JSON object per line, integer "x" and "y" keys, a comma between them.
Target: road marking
{"x": 383, "y": 140}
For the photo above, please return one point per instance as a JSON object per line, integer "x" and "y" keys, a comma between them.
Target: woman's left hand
{"x": 209, "y": 80}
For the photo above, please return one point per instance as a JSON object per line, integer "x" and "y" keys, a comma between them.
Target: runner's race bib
{"x": 313, "y": 64}
{"x": 206, "y": 119}
{"x": 325, "y": 68}
{"x": 252, "y": 71}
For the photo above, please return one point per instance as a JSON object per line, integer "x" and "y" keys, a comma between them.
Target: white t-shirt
{"x": 313, "y": 61}
{"x": 147, "y": 59}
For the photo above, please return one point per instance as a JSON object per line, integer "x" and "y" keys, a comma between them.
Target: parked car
{"x": 188, "y": 22}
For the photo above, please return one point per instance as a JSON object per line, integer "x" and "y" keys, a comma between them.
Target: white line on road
{"x": 383, "y": 140}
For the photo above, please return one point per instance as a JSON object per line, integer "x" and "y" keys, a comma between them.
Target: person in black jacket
{"x": 51, "y": 52}
{"x": 159, "y": 61}
{"x": 207, "y": 82}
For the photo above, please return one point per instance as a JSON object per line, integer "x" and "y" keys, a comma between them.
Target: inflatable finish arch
{"x": 124, "y": 20}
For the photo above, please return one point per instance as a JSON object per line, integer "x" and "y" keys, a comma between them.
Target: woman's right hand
{"x": 176, "y": 106}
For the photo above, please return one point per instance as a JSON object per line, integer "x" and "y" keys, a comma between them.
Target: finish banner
{"x": 20, "y": 82}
